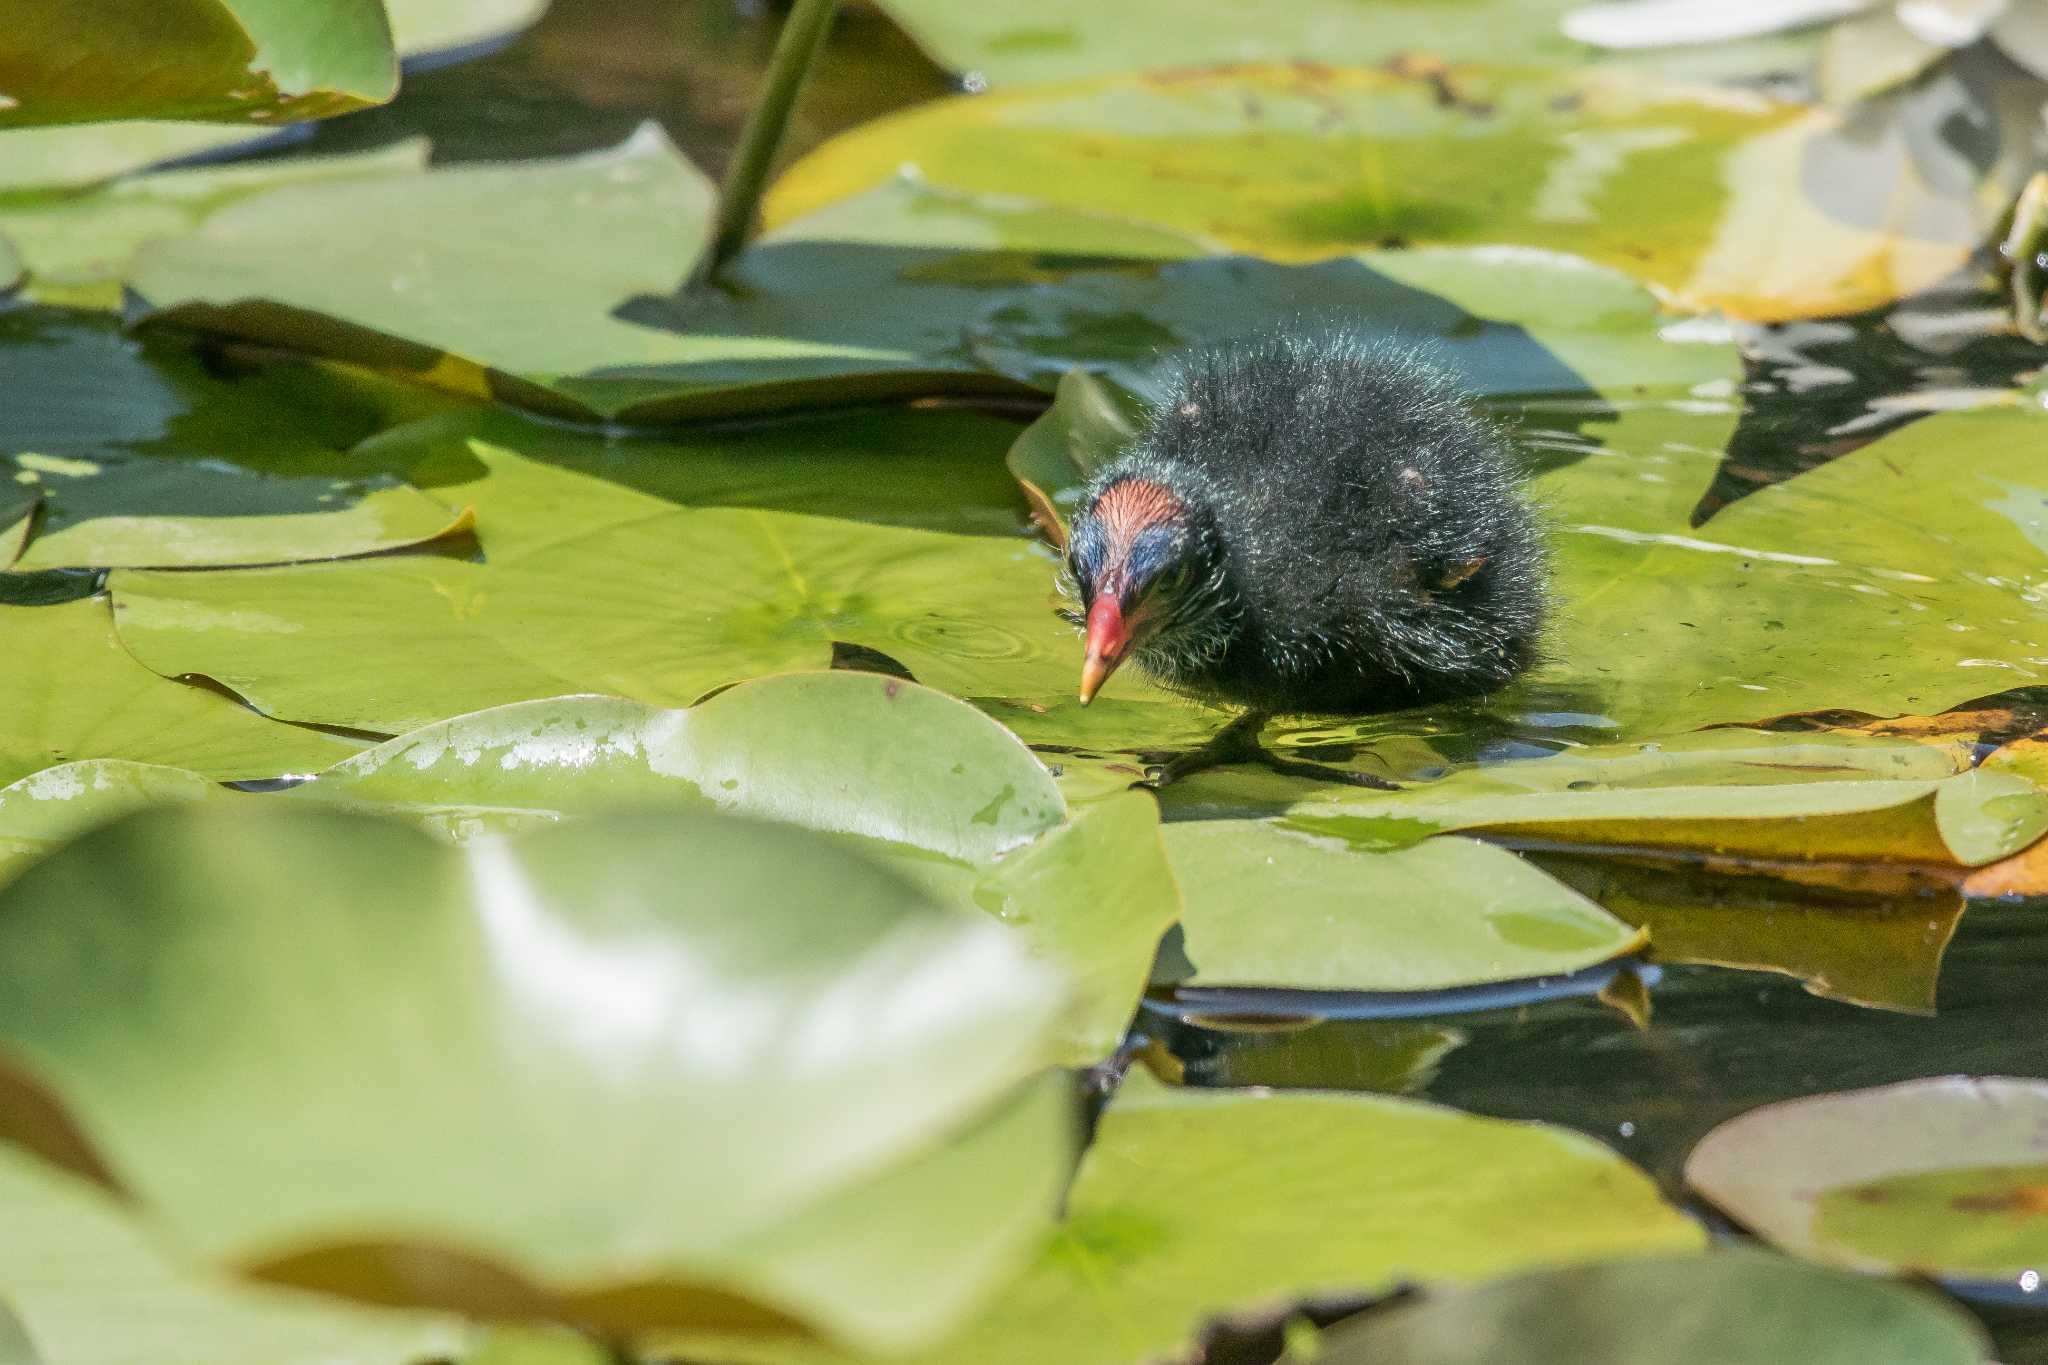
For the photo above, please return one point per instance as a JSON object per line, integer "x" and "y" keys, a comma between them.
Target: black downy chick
{"x": 1311, "y": 522}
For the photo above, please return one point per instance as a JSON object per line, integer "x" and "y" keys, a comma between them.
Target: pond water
{"x": 1873, "y": 986}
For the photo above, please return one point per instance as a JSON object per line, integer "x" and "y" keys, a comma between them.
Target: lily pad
{"x": 1728, "y": 1307}
{"x": 930, "y": 470}
{"x": 1168, "y": 1224}
{"x": 435, "y": 28}
{"x": 1641, "y": 801}
{"x": 78, "y": 156}
{"x": 859, "y": 1036}
{"x": 41, "y": 811}
{"x": 71, "y": 692}
{"x": 1301, "y": 161}
{"x": 95, "y": 1288}
{"x": 1271, "y": 907}
{"x": 590, "y": 587}
{"x": 1064, "y": 39}
{"x": 1938, "y": 1177}
{"x": 142, "y": 453}
{"x": 77, "y": 247}
{"x": 796, "y": 320}
{"x": 940, "y": 792}
{"x": 229, "y": 60}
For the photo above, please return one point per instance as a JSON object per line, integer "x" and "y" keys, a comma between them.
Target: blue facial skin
{"x": 1152, "y": 551}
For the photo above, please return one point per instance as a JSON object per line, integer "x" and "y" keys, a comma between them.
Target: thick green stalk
{"x": 796, "y": 50}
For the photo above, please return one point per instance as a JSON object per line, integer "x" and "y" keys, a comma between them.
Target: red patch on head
{"x": 1126, "y": 508}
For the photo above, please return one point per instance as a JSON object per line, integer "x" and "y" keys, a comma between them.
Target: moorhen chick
{"x": 1310, "y": 522}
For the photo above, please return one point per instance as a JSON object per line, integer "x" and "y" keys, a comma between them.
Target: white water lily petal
{"x": 1952, "y": 23}
{"x": 1867, "y": 53}
{"x": 1661, "y": 23}
{"x": 2022, "y": 34}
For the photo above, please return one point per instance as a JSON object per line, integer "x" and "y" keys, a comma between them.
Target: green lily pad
{"x": 1803, "y": 801}
{"x": 15, "y": 1347}
{"x": 805, "y": 1071}
{"x": 797, "y": 320}
{"x": 42, "y": 810}
{"x": 1301, "y": 161}
{"x": 591, "y": 587}
{"x": 928, "y": 470}
{"x": 1728, "y": 1307}
{"x": 1271, "y": 907}
{"x": 229, "y": 60}
{"x": 1939, "y": 1177}
{"x": 1192, "y": 1204}
{"x": 940, "y": 792}
{"x": 77, "y": 247}
{"x": 1065, "y": 39}
{"x": 71, "y": 692}
{"x": 433, "y": 27}
{"x": 1125, "y": 325}
{"x": 77, "y": 156}
{"x": 842, "y": 753}
{"x": 95, "y": 1288}
{"x": 141, "y": 453}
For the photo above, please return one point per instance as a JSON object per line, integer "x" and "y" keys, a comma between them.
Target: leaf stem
{"x": 796, "y": 51}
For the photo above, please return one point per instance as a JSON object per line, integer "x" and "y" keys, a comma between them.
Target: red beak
{"x": 1107, "y": 639}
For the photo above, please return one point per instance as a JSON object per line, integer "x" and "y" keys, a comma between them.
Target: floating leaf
{"x": 230, "y": 60}
{"x": 1272, "y": 907}
{"x": 96, "y": 1289}
{"x": 1641, "y": 801}
{"x": 633, "y": 597}
{"x": 798, "y": 321}
{"x": 945, "y": 795}
{"x": 1729, "y": 1307}
{"x": 78, "y": 156}
{"x": 70, "y": 691}
{"x": 1939, "y": 1177}
{"x": 437, "y": 27}
{"x": 1064, "y": 39}
{"x": 1304, "y": 160}
{"x": 760, "y": 1070}
{"x": 42, "y": 810}
{"x": 147, "y": 454}
{"x": 1169, "y": 1224}
{"x": 78, "y": 247}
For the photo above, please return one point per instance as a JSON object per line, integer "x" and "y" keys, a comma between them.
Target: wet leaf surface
{"x": 873, "y": 1048}
{"x": 229, "y": 60}
{"x": 1724, "y": 1308}
{"x": 72, "y": 692}
{"x": 768, "y": 592}
{"x": 1271, "y": 907}
{"x": 1931, "y": 1176}
{"x": 1167, "y": 1224}
{"x": 143, "y": 453}
{"x": 46, "y": 808}
{"x": 1300, "y": 161}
